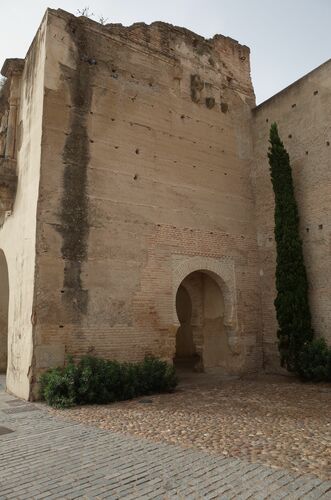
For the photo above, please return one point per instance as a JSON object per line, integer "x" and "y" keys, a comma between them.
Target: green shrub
{"x": 154, "y": 375}
{"x": 98, "y": 381}
{"x": 315, "y": 361}
{"x": 58, "y": 387}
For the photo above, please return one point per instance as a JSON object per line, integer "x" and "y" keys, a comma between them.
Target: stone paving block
{"x": 320, "y": 491}
{"x": 50, "y": 458}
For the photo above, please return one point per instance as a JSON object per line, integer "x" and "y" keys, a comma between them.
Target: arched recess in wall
{"x": 201, "y": 340}
{"x": 210, "y": 284}
{"x": 4, "y": 303}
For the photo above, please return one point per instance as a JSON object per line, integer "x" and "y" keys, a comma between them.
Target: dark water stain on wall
{"x": 74, "y": 209}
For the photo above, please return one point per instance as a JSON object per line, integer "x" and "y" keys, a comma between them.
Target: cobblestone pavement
{"x": 276, "y": 421}
{"x": 55, "y": 458}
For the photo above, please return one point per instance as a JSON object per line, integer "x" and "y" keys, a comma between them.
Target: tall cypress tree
{"x": 292, "y": 306}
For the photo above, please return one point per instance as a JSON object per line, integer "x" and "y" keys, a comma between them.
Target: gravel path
{"x": 275, "y": 421}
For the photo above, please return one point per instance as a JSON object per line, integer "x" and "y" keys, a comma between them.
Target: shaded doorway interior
{"x": 4, "y": 302}
{"x": 201, "y": 342}
{"x": 185, "y": 348}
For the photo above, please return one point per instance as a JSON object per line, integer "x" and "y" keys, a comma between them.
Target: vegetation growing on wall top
{"x": 87, "y": 12}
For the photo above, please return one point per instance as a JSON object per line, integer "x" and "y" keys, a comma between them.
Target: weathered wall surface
{"x": 145, "y": 157}
{"x": 4, "y": 302}
{"x": 302, "y": 112}
{"x": 18, "y": 233}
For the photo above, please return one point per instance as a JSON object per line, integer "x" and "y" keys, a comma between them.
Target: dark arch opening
{"x": 200, "y": 341}
{"x": 185, "y": 347}
{"x": 4, "y": 303}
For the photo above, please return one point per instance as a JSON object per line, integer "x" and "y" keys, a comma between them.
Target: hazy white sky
{"x": 287, "y": 38}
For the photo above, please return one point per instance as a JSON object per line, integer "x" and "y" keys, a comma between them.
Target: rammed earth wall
{"x": 302, "y": 112}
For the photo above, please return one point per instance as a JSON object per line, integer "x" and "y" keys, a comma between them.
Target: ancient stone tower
{"x": 136, "y": 205}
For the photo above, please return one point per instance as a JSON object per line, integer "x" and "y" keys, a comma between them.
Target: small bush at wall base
{"x": 314, "y": 363}
{"x": 99, "y": 381}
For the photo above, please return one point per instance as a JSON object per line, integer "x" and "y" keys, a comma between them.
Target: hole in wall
{"x": 315, "y": 92}
{"x": 137, "y": 151}
{"x": 294, "y": 105}
{"x": 210, "y": 102}
{"x": 320, "y": 226}
{"x": 290, "y": 136}
{"x": 224, "y": 107}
